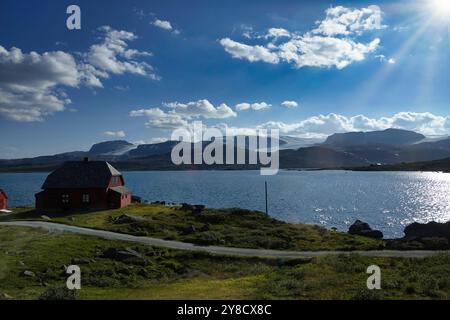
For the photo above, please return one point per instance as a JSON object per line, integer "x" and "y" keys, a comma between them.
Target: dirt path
{"x": 244, "y": 252}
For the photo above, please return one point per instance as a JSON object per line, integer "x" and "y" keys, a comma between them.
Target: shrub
{"x": 366, "y": 294}
{"x": 58, "y": 293}
{"x": 208, "y": 238}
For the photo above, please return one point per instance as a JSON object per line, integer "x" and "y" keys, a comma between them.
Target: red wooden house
{"x": 83, "y": 185}
{"x": 3, "y": 200}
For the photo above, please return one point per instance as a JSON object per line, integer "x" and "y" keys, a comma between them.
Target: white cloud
{"x": 324, "y": 125}
{"x": 163, "y": 24}
{"x": 289, "y": 104}
{"x": 383, "y": 58}
{"x": 345, "y": 21}
{"x": 112, "y": 55}
{"x": 201, "y": 108}
{"x": 179, "y": 114}
{"x": 321, "y": 126}
{"x": 115, "y": 134}
{"x": 253, "y": 106}
{"x": 158, "y": 140}
{"x": 250, "y": 53}
{"x": 332, "y": 44}
{"x": 323, "y": 52}
{"x": 28, "y": 83}
{"x": 277, "y": 33}
{"x": 31, "y": 84}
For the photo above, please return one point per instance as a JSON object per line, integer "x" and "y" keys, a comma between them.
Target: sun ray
{"x": 371, "y": 87}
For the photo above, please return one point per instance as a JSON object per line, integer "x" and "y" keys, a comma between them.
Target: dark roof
{"x": 4, "y": 193}
{"x": 121, "y": 190}
{"x": 81, "y": 174}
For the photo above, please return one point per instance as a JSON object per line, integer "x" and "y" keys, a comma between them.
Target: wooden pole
{"x": 267, "y": 208}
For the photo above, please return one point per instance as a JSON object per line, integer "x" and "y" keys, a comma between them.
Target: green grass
{"x": 226, "y": 227}
{"x": 171, "y": 274}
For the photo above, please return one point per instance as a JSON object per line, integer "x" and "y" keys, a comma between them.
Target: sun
{"x": 440, "y": 8}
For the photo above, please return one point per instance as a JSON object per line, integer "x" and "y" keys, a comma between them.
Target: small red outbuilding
{"x": 3, "y": 200}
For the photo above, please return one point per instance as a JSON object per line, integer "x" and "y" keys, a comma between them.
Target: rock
{"x": 58, "y": 293}
{"x": 189, "y": 230}
{"x": 401, "y": 244}
{"x": 136, "y": 199}
{"x": 22, "y": 263}
{"x": 46, "y": 218}
{"x": 376, "y": 234}
{"x": 143, "y": 272}
{"x": 430, "y": 229}
{"x": 363, "y": 229}
{"x": 206, "y": 227}
{"x": 28, "y": 273}
{"x": 159, "y": 202}
{"x": 78, "y": 261}
{"x": 197, "y": 208}
{"x": 125, "y": 255}
{"x": 358, "y": 226}
{"x": 5, "y": 296}
{"x": 127, "y": 218}
{"x": 435, "y": 243}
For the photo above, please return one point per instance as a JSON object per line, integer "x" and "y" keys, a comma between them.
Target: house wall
{"x": 118, "y": 183}
{"x": 3, "y": 202}
{"x": 99, "y": 199}
{"x": 126, "y": 200}
{"x": 52, "y": 199}
{"x": 120, "y": 200}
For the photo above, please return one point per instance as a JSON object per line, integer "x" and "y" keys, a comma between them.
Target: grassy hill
{"x": 225, "y": 227}
{"x": 170, "y": 274}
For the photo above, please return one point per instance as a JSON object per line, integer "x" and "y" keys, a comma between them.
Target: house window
{"x": 65, "y": 198}
{"x": 115, "y": 180}
{"x": 86, "y": 198}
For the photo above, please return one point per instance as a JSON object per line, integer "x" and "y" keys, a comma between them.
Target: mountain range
{"x": 352, "y": 149}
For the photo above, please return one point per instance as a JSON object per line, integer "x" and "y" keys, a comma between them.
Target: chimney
{"x": 86, "y": 159}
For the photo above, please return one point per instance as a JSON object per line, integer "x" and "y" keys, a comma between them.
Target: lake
{"x": 386, "y": 200}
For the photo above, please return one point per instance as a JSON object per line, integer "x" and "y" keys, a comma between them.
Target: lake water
{"x": 386, "y": 200}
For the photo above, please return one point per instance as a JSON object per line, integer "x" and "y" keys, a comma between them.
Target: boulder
{"x": 125, "y": 255}
{"x": 189, "y": 230}
{"x": 78, "y": 261}
{"x": 136, "y": 199}
{"x": 28, "y": 273}
{"x": 5, "y": 296}
{"x": 47, "y": 218}
{"x": 361, "y": 228}
{"x": 430, "y": 230}
{"x": 159, "y": 202}
{"x": 127, "y": 218}
{"x": 206, "y": 227}
{"x": 196, "y": 208}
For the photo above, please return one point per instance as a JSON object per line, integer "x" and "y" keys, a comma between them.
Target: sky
{"x": 137, "y": 70}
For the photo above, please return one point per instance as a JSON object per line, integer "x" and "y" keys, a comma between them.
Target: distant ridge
{"x": 116, "y": 147}
{"x": 393, "y": 137}
{"x": 353, "y": 149}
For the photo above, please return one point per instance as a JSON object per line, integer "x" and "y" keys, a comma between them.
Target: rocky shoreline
{"x": 418, "y": 236}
